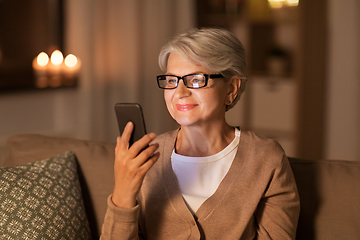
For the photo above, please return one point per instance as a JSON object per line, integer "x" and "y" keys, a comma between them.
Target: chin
{"x": 184, "y": 124}
{"x": 183, "y": 120}
{"x": 186, "y": 121}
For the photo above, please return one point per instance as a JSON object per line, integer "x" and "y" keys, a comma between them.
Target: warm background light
{"x": 281, "y": 3}
{"x": 56, "y": 57}
{"x": 71, "y": 60}
{"x": 42, "y": 59}
{"x": 56, "y": 72}
{"x": 293, "y": 2}
{"x": 276, "y": 3}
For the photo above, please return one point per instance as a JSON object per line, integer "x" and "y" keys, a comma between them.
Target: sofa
{"x": 329, "y": 189}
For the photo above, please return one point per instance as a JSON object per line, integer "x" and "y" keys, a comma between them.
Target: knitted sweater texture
{"x": 257, "y": 199}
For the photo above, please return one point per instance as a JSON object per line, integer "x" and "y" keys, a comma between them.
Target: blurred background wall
{"x": 314, "y": 111}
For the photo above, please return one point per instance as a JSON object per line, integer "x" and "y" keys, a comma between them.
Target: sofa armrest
{"x": 330, "y": 198}
{"x": 4, "y": 152}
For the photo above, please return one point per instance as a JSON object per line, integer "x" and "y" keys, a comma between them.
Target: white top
{"x": 199, "y": 177}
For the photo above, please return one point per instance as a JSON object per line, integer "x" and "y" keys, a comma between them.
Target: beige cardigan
{"x": 257, "y": 199}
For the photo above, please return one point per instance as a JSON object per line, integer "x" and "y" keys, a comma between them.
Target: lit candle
{"x": 55, "y": 68}
{"x": 71, "y": 69}
{"x": 56, "y": 71}
{"x": 56, "y": 58}
{"x": 40, "y": 65}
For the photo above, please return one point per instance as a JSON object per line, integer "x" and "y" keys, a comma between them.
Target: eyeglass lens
{"x": 190, "y": 81}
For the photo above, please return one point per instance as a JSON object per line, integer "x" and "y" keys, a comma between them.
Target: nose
{"x": 181, "y": 90}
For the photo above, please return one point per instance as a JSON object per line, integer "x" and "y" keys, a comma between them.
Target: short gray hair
{"x": 219, "y": 50}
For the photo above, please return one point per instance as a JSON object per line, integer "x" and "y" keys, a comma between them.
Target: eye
{"x": 197, "y": 79}
{"x": 171, "y": 80}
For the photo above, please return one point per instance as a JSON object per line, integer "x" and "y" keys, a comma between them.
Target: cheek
{"x": 222, "y": 94}
{"x": 167, "y": 98}
{"x": 216, "y": 97}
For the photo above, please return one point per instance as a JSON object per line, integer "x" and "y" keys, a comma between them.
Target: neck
{"x": 200, "y": 141}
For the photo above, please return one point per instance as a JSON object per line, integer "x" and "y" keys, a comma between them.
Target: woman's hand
{"x": 131, "y": 165}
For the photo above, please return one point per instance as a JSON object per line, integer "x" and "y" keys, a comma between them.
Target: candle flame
{"x": 56, "y": 57}
{"x": 42, "y": 59}
{"x": 71, "y": 60}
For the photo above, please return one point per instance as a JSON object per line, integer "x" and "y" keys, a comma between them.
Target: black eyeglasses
{"x": 196, "y": 80}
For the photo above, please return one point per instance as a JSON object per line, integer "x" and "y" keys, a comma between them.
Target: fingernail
{"x": 156, "y": 144}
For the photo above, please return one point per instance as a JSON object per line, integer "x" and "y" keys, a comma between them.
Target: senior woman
{"x": 207, "y": 179}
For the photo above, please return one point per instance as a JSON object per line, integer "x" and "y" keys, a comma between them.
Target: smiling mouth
{"x": 185, "y": 107}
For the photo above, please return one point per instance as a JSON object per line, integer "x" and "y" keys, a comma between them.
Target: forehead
{"x": 177, "y": 65}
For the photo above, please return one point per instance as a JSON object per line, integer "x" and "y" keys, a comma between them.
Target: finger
{"x": 142, "y": 143}
{"x": 117, "y": 145}
{"x": 149, "y": 163}
{"x": 146, "y": 154}
{"x": 126, "y": 135}
{"x": 121, "y": 146}
{"x": 150, "y": 150}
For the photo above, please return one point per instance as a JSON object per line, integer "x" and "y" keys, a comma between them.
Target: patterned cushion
{"x": 42, "y": 200}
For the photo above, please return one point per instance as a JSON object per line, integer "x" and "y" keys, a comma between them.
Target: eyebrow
{"x": 188, "y": 74}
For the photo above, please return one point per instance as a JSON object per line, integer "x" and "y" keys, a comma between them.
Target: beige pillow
{"x": 42, "y": 200}
{"x": 95, "y": 160}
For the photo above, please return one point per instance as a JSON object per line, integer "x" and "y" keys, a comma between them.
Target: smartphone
{"x": 126, "y": 112}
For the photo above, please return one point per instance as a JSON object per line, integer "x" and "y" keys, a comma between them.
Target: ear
{"x": 233, "y": 88}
